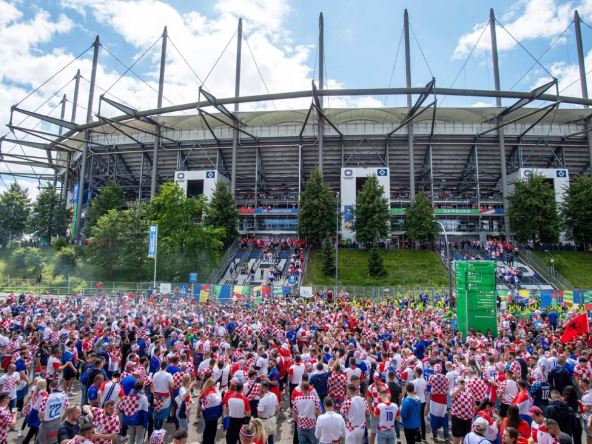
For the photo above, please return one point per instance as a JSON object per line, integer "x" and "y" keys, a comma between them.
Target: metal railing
{"x": 217, "y": 274}
{"x": 548, "y": 273}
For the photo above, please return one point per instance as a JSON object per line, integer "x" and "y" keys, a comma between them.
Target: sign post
{"x": 476, "y": 300}
{"x": 153, "y": 248}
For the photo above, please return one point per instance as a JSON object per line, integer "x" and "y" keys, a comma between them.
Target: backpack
{"x": 85, "y": 376}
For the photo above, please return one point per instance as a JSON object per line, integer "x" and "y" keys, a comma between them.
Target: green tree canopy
{"x": 328, "y": 258}
{"x": 15, "y": 208}
{"x": 372, "y": 213}
{"x": 66, "y": 261}
{"x": 316, "y": 211}
{"x": 48, "y": 217}
{"x": 577, "y": 210}
{"x": 419, "y": 220}
{"x": 221, "y": 212}
{"x": 110, "y": 197}
{"x": 533, "y": 211}
{"x": 185, "y": 243}
{"x": 375, "y": 263}
{"x": 25, "y": 262}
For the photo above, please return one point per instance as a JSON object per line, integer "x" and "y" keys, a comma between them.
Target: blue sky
{"x": 361, "y": 39}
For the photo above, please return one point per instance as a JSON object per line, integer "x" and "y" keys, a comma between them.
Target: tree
{"x": 185, "y": 243}
{"x": 577, "y": 210}
{"x": 375, "y": 263}
{"x": 15, "y": 208}
{"x": 328, "y": 258}
{"x": 110, "y": 197}
{"x": 533, "y": 211}
{"x": 66, "y": 261}
{"x": 48, "y": 216}
{"x": 118, "y": 245}
{"x": 419, "y": 220}
{"x": 221, "y": 212}
{"x": 25, "y": 262}
{"x": 316, "y": 211}
{"x": 372, "y": 213}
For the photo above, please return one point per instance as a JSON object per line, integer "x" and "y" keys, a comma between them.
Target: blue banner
{"x": 196, "y": 291}
{"x": 192, "y": 278}
{"x": 546, "y": 298}
{"x": 152, "y": 240}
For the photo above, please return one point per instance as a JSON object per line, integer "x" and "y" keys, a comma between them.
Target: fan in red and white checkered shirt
{"x": 463, "y": 404}
{"x": 7, "y": 420}
{"x": 105, "y": 421}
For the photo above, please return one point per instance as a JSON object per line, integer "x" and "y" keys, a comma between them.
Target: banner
{"x": 75, "y": 193}
{"x": 204, "y": 292}
{"x": 546, "y": 298}
{"x": 306, "y": 292}
{"x": 165, "y": 288}
{"x": 222, "y": 293}
{"x": 152, "y": 240}
{"x": 240, "y": 292}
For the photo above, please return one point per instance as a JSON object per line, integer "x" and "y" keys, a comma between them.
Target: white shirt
{"x": 420, "y": 385}
{"x": 357, "y": 412}
{"x": 387, "y": 415}
{"x": 297, "y": 370}
{"x": 330, "y": 428}
{"x": 510, "y": 392}
{"x": 267, "y": 405}
{"x": 162, "y": 381}
{"x": 113, "y": 394}
{"x": 349, "y": 372}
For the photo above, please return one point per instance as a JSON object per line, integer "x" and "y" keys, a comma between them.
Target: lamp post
{"x": 337, "y": 243}
{"x": 449, "y": 259}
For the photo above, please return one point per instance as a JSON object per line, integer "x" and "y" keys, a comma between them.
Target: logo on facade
{"x": 561, "y": 173}
{"x": 180, "y": 176}
{"x": 527, "y": 173}
{"x": 382, "y": 172}
{"x": 210, "y": 174}
{"x": 348, "y": 173}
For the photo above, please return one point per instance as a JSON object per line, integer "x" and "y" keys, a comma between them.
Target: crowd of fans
{"x": 334, "y": 368}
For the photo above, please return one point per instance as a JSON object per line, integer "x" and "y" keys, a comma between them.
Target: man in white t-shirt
{"x": 354, "y": 410}
{"x": 330, "y": 426}
{"x": 8, "y": 384}
{"x": 295, "y": 373}
{"x": 352, "y": 370}
{"x": 267, "y": 410}
{"x": 421, "y": 385}
{"x": 386, "y": 412}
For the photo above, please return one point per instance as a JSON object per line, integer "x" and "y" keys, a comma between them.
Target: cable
{"x": 586, "y": 24}
{"x": 523, "y": 47}
{"x": 53, "y": 76}
{"x": 466, "y": 60}
{"x": 386, "y": 97}
{"x": 258, "y": 70}
{"x": 542, "y": 55}
{"x": 186, "y": 62}
{"x": 132, "y": 65}
{"x": 421, "y": 50}
{"x": 574, "y": 82}
{"x": 218, "y": 59}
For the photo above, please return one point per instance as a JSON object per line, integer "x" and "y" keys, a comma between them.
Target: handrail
{"x": 305, "y": 267}
{"x": 546, "y": 272}
{"x": 216, "y": 274}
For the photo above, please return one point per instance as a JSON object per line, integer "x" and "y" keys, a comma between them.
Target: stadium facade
{"x": 466, "y": 159}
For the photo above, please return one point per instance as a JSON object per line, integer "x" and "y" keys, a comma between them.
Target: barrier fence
{"x": 228, "y": 293}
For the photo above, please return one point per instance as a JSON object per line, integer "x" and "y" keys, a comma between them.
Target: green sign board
{"x": 476, "y": 299}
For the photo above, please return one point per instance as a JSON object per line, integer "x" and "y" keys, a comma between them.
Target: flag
{"x": 578, "y": 326}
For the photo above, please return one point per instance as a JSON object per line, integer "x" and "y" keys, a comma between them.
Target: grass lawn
{"x": 578, "y": 267}
{"x": 404, "y": 268}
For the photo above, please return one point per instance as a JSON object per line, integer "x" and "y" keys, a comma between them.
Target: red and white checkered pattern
{"x": 463, "y": 405}
{"x": 345, "y": 411}
{"x": 6, "y": 420}
{"x": 9, "y": 382}
{"x": 582, "y": 371}
{"x": 478, "y": 388}
{"x": 252, "y": 390}
{"x": 302, "y": 421}
{"x": 516, "y": 369}
{"x": 161, "y": 402}
{"x": 104, "y": 424}
{"x": 439, "y": 384}
{"x": 80, "y": 440}
{"x": 374, "y": 393}
{"x": 178, "y": 379}
{"x": 130, "y": 404}
{"x": 337, "y": 386}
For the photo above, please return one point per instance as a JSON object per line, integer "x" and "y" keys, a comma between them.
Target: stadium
{"x": 465, "y": 159}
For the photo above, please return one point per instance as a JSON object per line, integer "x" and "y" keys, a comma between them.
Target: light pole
{"x": 337, "y": 244}
{"x": 449, "y": 259}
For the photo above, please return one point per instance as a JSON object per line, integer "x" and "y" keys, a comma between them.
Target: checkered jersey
{"x": 132, "y": 403}
{"x": 6, "y": 421}
{"x": 439, "y": 384}
{"x": 345, "y": 412}
{"x": 516, "y": 369}
{"x": 9, "y": 382}
{"x": 374, "y": 393}
{"x": 463, "y": 405}
{"x": 478, "y": 388}
{"x": 178, "y": 379}
{"x": 252, "y": 390}
{"x": 582, "y": 371}
{"x": 79, "y": 440}
{"x": 306, "y": 419}
{"x": 337, "y": 386}
{"x": 104, "y": 424}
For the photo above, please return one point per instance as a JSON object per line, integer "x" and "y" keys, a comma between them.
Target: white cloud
{"x": 526, "y": 20}
{"x": 568, "y": 77}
